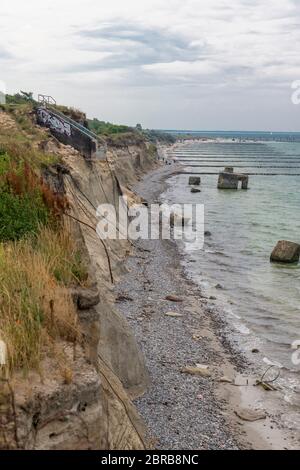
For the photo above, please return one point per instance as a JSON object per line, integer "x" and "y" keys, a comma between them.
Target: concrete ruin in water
{"x": 230, "y": 180}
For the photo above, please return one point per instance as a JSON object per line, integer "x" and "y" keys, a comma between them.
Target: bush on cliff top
{"x": 106, "y": 128}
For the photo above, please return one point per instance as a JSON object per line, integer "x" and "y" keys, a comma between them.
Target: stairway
{"x": 68, "y": 131}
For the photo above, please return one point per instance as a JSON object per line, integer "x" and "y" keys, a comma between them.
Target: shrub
{"x": 26, "y": 201}
{"x": 20, "y": 98}
{"x": 20, "y": 215}
{"x": 106, "y": 128}
{"x": 22, "y": 208}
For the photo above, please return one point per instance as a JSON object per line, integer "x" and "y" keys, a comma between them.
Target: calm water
{"x": 261, "y": 299}
{"x": 245, "y": 135}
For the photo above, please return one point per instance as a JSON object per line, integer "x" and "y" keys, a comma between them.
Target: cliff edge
{"x": 79, "y": 394}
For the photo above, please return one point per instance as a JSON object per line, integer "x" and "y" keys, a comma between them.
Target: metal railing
{"x": 50, "y": 103}
{"x": 74, "y": 123}
{"x": 46, "y": 100}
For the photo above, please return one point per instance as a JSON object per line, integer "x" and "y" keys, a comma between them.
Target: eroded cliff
{"x": 86, "y": 405}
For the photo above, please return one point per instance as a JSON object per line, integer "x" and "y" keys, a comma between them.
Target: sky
{"x": 188, "y": 64}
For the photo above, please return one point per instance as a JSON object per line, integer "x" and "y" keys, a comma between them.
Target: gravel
{"x": 180, "y": 410}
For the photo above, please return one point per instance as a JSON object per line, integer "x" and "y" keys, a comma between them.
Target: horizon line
{"x": 228, "y": 131}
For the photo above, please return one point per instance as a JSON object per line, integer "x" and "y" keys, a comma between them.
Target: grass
{"x": 25, "y": 200}
{"x": 62, "y": 256}
{"x": 36, "y": 307}
{"x": 24, "y": 116}
{"x": 22, "y": 148}
{"x": 39, "y": 260}
{"x": 20, "y": 215}
{"x": 106, "y": 128}
{"x": 21, "y": 141}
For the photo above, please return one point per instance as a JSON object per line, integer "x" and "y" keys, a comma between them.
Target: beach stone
{"x": 200, "y": 369}
{"x": 286, "y": 252}
{"x": 196, "y": 337}
{"x": 85, "y": 298}
{"x": 207, "y": 233}
{"x": 194, "y": 180}
{"x": 250, "y": 415}
{"x": 123, "y": 298}
{"x": 226, "y": 380}
{"x": 174, "y": 298}
{"x": 219, "y": 286}
{"x": 195, "y": 190}
{"x": 174, "y": 314}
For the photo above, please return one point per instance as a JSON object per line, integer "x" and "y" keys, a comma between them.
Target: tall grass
{"x": 21, "y": 149}
{"x": 39, "y": 260}
{"x": 36, "y": 307}
{"x": 26, "y": 201}
{"x": 62, "y": 255}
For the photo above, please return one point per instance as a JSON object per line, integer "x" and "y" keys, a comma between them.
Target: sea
{"x": 260, "y": 300}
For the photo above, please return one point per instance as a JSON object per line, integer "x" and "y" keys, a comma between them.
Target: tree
{"x": 27, "y": 95}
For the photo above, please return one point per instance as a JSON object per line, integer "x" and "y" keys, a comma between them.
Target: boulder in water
{"x": 286, "y": 252}
{"x": 195, "y": 190}
{"x": 194, "y": 180}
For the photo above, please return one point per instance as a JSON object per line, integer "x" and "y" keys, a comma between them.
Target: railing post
{"x": 46, "y": 100}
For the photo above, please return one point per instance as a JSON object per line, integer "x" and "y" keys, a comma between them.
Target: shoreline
{"x": 183, "y": 411}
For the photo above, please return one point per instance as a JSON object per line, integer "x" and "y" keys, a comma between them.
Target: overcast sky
{"x": 185, "y": 64}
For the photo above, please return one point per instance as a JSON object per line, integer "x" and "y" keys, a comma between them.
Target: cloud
{"x": 128, "y": 60}
{"x": 124, "y": 45}
{"x": 4, "y": 54}
{"x": 225, "y": 44}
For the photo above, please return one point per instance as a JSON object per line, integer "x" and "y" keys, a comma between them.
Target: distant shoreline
{"x": 253, "y": 136}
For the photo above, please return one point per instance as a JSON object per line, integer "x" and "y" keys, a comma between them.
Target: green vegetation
{"x": 39, "y": 260}
{"x": 113, "y": 131}
{"x": 158, "y": 136}
{"x": 73, "y": 113}
{"x": 106, "y": 128}
{"x": 21, "y": 149}
{"x": 22, "y": 208}
{"x": 20, "y": 98}
{"x": 20, "y": 215}
{"x": 26, "y": 202}
{"x": 35, "y": 308}
{"x": 61, "y": 255}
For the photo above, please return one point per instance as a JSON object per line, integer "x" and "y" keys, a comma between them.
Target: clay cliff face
{"x": 93, "y": 408}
